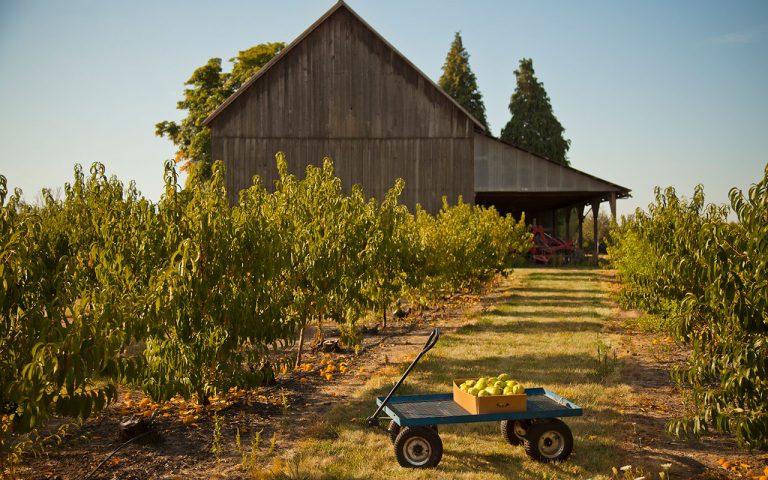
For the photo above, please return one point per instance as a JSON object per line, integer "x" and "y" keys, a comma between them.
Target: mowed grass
{"x": 544, "y": 331}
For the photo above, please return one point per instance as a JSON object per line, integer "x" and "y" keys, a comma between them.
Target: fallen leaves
{"x": 188, "y": 411}
{"x": 743, "y": 469}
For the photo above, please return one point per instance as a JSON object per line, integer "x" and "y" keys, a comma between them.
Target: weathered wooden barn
{"x": 341, "y": 90}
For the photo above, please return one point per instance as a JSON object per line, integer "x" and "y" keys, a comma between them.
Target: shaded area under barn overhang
{"x": 518, "y": 202}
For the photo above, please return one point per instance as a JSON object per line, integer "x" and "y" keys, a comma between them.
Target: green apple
{"x": 473, "y": 391}
{"x": 464, "y": 387}
{"x": 493, "y": 390}
{"x": 470, "y": 383}
{"x": 482, "y": 393}
{"x": 511, "y": 383}
{"x": 481, "y": 384}
{"x": 518, "y": 389}
{"x": 509, "y": 391}
{"x": 503, "y": 377}
{"x": 499, "y": 384}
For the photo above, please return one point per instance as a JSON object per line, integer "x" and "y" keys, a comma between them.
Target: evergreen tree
{"x": 533, "y": 125}
{"x": 460, "y": 83}
{"x": 208, "y": 88}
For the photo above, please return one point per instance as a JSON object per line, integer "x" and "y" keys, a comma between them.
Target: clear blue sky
{"x": 650, "y": 93}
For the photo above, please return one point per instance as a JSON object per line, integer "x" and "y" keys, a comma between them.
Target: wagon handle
{"x": 431, "y": 341}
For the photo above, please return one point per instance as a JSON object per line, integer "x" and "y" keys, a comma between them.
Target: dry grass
{"x": 546, "y": 331}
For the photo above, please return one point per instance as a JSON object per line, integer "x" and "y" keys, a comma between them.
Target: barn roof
{"x": 286, "y": 51}
{"x": 507, "y": 174}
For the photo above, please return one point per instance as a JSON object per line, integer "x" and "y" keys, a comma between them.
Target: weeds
{"x": 606, "y": 360}
{"x": 250, "y": 460}
{"x": 628, "y": 472}
{"x": 272, "y": 443}
{"x": 216, "y": 443}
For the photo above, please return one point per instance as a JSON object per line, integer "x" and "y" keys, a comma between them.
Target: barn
{"x": 341, "y": 90}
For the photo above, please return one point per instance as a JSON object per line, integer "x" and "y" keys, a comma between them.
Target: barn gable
{"x": 341, "y": 90}
{"x": 321, "y": 41}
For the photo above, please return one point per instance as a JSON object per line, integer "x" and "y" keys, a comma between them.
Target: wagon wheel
{"x": 549, "y": 441}
{"x": 514, "y": 431}
{"x": 394, "y": 430}
{"x": 418, "y": 447}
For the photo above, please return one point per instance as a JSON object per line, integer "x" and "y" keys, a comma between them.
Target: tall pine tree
{"x": 460, "y": 83}
{"x": 533, "y": 125}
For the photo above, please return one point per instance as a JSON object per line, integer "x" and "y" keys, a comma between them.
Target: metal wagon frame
{"x": 414, "y": 420}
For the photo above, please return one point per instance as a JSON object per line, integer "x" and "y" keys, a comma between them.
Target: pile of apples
{"x": 488, "y": 386}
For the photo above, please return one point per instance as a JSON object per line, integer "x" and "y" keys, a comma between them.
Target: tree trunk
{"x": 385, "y": 318}
{"x": 301, "y": 346}
{"x": 319, "y": 337}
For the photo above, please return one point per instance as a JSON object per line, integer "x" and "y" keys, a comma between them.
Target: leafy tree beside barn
{"x": 460, "y": 82}
{"x": 208, "y": 87}
{"x": 533, "y": 125}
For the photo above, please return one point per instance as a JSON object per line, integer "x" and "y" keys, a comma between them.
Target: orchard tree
{"x": 533, "y": 125}
{"x": 208, "y": 87}
{"x": 460, "y": 82}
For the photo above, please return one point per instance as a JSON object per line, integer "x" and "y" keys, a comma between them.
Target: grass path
{"x": 544, "y": 331}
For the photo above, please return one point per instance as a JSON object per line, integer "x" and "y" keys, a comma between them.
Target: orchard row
{"x": 189, "y": 295}
{"x": 706, "y": 278}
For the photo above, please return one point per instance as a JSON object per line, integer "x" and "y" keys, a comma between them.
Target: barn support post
{"x": 580, "y": 213}
{"x": 595, "y": 210}
{"x": 612, "y": 203}
{"x": 554, "y": 223}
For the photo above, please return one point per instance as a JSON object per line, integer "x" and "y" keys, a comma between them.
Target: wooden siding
{"x": 500, "y": 167}
{"x": 343, "y": 92}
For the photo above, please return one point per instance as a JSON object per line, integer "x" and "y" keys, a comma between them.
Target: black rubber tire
{"x": 418, "y": 447}
{"x": 549, "y": 441}
{"x": 514, "y": 431}
{"x": 394, "y": 430}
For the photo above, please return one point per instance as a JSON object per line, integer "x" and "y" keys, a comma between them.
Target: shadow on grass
{"x": 595, "y": 290}
{"x": 544, "y": 369}
{"x": 532, "y": 326}
{"x": 561, "y": 301}
{"x": 560, "y": 274}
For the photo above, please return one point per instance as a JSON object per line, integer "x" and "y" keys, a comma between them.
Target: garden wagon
{"x": 414, "y": 420}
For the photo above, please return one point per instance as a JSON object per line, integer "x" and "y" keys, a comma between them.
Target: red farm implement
{"x": 546, "y": 246}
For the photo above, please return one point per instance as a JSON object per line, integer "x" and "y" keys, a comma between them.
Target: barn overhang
{"x": 515, "y": 180}
{"x": 516, "y": 202}
{"x": 519, "y": 182}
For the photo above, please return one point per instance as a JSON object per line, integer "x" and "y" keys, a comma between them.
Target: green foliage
{"x": 390, "y": 256}
{"x": 68, "y": 306}
{"x": 685, "y": 261}
{"x": 208, "y": 88}
{"x": 187, "y": 296}
{"x": 460, "y": 82}
{"x": 533, "y": 125}
{"x": 327, "y": 234}
{"x": 466, "y": 245}
{"x": 205, "y": 303}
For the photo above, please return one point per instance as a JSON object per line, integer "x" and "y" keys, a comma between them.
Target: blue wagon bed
{"x": 414, "y": 420}
{"x": 439, "y": 409}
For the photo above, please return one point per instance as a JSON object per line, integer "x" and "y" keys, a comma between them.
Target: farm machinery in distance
{"x": 546, "y": 246}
